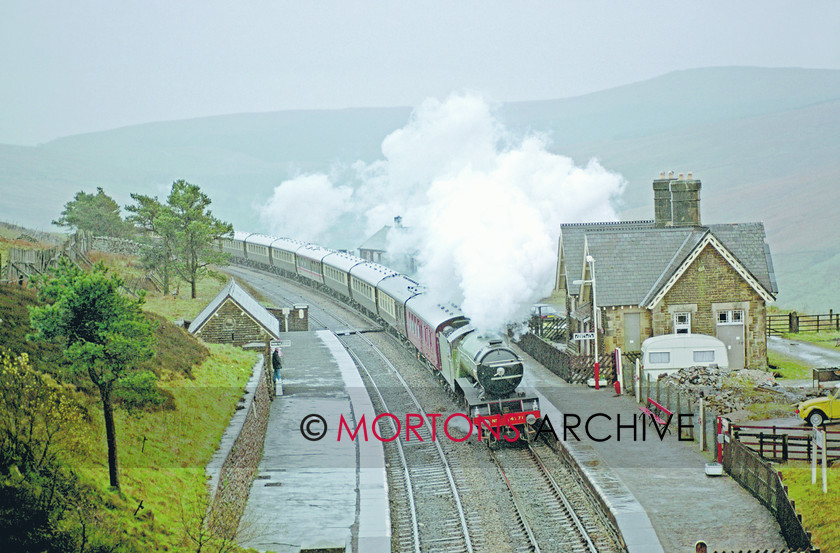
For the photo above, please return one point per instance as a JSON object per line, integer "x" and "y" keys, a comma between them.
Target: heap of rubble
{"x": 726, "y": 391}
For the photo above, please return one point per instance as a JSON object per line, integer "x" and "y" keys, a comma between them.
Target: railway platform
{"x": 320, "y": 494}
{"x": 656, "y": 489}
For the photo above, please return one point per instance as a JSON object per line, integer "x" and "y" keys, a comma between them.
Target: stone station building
{"x": 234, "y": 317}
{"x": 668, "y": 275}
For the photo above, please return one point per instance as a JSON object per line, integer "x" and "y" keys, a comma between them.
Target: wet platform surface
{"x": 656, "y": 488}
{"x": 318, "y": 493}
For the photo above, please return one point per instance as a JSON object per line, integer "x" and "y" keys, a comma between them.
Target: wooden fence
{"x": 553, "y": 330}
{"x": 570, "y": 367}
{"x": 784, "y": 443}
{"x": 762, "y": 481}
{"x": 24, "y": 264}
{"x": 794, "y": 322}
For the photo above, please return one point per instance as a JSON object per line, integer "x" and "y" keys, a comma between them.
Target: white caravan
{"x": 671, "y": 352}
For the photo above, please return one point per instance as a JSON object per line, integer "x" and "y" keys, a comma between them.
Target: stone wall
{"x": 240, "y": 466}
{"x": 116, "y": 245}
{"x": 230, "y": 324}
{"x": 613, "y": 320}
{"x": 709, "y": 285}
{"x": 292, "y": 319}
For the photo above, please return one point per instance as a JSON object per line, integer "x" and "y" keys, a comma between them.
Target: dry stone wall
{"x": 119, "y": 246}
{"x": 240, "y": 465}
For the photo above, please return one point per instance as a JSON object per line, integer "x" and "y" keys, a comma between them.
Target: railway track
{"x": 426, "y": 507}
{"x": 551, "y": 519}
{"x": 426, "y": 476}
{"x": 430, "y": 507}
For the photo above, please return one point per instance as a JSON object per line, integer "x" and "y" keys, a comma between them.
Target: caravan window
{"x": 704, "y": 356}
{"x": 659, "y": 357}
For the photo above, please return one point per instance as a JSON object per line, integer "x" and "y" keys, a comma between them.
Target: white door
{"x": 730, "y": 331}
{"x": 632, "y": 332}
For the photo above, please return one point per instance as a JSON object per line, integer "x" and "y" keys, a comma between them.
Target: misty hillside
{"x": 764, "y": 142}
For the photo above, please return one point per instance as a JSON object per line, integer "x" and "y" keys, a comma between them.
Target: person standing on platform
{"x": 277, "y": 363}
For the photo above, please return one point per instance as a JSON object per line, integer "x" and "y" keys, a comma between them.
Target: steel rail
{"x": 415, "y": 528}
{"x": 519, "y": 514}
{"x": 566, "y": 503}
{"x": 453, "y": 487}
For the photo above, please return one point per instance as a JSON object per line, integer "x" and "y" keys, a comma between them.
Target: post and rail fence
{"x": 780, "y": 444}
{"x": 794, "y": 323}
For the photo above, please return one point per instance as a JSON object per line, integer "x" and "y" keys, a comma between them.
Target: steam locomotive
{"x": 482, "y": 370}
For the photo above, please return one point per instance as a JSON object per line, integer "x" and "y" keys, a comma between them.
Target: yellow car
{"x": 818, "y": 410}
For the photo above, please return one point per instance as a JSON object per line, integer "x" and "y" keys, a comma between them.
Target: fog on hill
{"x": 763, "y": 141}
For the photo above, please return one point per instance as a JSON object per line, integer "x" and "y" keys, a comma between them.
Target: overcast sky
{"x": 85, "y": 65}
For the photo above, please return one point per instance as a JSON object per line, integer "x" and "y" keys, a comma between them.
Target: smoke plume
{"x": 482, "y": 208}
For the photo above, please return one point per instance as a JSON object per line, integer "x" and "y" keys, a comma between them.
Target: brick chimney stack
{"x": 676, "y": 201}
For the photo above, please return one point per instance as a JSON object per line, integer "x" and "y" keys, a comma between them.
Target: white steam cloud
{"x": 483, "y": 208}
{"x": 284, "y": 211}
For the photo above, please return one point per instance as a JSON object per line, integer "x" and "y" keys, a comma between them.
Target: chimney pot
{"x": 680, "y": 176}
{"x": 690, "y": 175}
{"x": 661, "y": 174}
{"x": 676, "y": 203}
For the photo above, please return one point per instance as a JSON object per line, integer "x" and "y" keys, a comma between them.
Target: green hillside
{"x": 64, "y": 503}
{"x": 763, "y": 142}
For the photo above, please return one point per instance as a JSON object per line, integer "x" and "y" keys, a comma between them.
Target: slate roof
{"x": 265, "y": 319}
{"x": 573, "y": 238}
{"x": 378, "y": 242}
{"x": 634, "y": 259}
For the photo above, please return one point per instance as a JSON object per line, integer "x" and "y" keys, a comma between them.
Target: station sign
{"x": 583, "y": 336}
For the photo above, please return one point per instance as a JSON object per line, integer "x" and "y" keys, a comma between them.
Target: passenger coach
{"x": 257, "y": 248}
{"x": 283, "y": 254}
{"x": 337, "y": 268}
{"x": 309, "y": 262}
{"x": 235, "y": 246}
{"x": 363, "y": 280}
{"x": 394, "y": 291}
{"x": 424, "y": 319}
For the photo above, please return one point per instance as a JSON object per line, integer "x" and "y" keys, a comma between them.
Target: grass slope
{"x": 818, "y": 510}
{"x": 162, "y": 453}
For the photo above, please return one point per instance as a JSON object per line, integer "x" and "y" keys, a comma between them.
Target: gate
{"x": 553, "y": 330}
